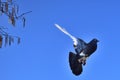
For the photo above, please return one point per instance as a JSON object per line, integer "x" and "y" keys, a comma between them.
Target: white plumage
{"x": 67, "y": 33}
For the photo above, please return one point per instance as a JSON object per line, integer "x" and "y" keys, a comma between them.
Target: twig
{"x": 23, "y": 14}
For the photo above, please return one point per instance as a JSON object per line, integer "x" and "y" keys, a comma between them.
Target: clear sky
{"x": 43, "y": 51}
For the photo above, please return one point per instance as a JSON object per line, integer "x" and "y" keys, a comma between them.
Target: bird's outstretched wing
{"x": 90, "y": 48}
{"x": 67, "y": 33}
{"x": 75, "y": 66}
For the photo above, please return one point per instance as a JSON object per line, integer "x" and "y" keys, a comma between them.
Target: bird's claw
{"x": 82, "y": 60}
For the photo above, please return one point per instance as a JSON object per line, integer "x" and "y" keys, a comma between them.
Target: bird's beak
{"x": 98, "y": 41}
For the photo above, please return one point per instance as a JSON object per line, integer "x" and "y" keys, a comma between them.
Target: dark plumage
{"x": 75, "y": 66}
{"x": 90, "y": 47}
{"x": 76, "y": 60}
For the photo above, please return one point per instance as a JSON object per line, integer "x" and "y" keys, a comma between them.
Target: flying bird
{"x": 83, "y": 51}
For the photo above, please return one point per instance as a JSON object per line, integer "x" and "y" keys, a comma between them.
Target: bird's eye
{"x": 97, "y": 40}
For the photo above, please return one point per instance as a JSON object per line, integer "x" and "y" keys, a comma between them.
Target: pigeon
{"x": 77, "y": 60}
{"x": 83, "y": 51}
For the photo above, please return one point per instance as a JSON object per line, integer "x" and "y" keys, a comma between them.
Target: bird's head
{"x": 95, "y": 40}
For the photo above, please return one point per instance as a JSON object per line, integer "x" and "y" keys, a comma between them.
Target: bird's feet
{"x": 82, "y": 60}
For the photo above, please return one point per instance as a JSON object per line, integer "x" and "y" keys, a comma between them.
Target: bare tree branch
{"x": 10, "y": 9}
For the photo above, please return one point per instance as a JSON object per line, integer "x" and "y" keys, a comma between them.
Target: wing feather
{"x": 67, "y": 33}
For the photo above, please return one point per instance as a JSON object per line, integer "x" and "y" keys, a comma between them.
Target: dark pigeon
{"x": 82, "y": 49}
{"x": 76, "y": 60}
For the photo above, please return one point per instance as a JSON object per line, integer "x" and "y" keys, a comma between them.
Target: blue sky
{"x": 43, "y": 52}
